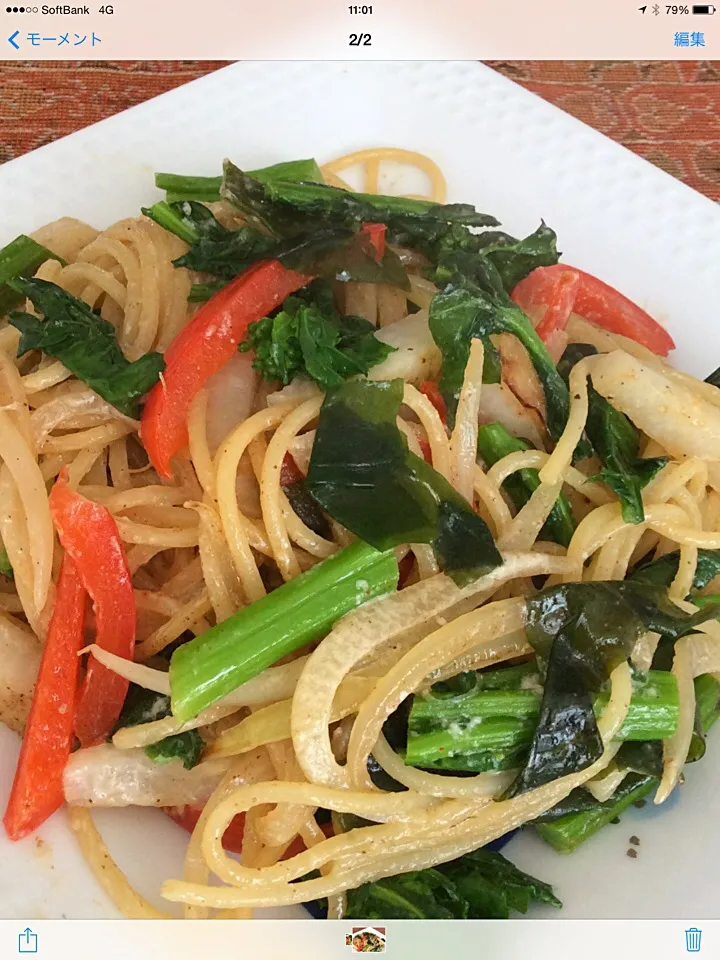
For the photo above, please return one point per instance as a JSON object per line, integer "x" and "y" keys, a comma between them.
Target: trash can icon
{"x": 693, "y": 938}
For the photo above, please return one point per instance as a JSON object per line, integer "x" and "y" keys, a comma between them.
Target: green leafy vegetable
{"x": 362, "y": 473}
{"x": 477, "y": 305}
{"x": 145, "y": 706}
{"x": 85, "y": 343}
{"x": 662, "y": 571}
{"x": 515, "y": 259}
{"x": 5, "y": 566}
{"x": 314, "y": 339}
{"x": 494, "y": 443}
{"x": 213, "y": 248}
{"x": 20, "y": 258}
{"x": 478, "y": 886}
{"x": 286, "y": 209}
{"x": 187, "y": 747}
{"x": 338, "y": 253}
{"x": 616, "y": 442}
{"x": 567, "y": 830}
{"x": 297, "y": 613}
{"x": 582, "y": 631}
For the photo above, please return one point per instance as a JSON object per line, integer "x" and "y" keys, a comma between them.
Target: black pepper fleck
{"x": 640, "y": 804}
{"x": 632, "y": 854}
{"x": 635, "y": 841}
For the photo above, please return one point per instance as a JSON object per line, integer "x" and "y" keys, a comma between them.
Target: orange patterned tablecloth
{"x": 667, "y": 112}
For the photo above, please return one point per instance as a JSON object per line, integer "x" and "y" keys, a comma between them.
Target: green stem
{"x": 502, "y": 721}
{"x": 20, "y": 258}
{"x": 567, "y": 833}
{"x": 494, "y": 443}
{"x": 300, "y": 612}
{"x": 163, "y": 214}
{"x": 207, "y": 189}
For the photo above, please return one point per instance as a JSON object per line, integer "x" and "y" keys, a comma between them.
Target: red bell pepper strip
{"x": 203, "y": 347}
{"x": 375, "y": 232}
{"x": 37, "y": 790}
{"x": 598, "y": 303}
{"x": 432, "y": 392}
{"x": 90, "y": 536}
{"x": 560, "y": 304}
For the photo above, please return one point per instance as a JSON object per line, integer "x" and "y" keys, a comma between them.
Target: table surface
{"x": 668, "y": 112}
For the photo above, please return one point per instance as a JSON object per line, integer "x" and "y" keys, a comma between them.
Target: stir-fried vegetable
{"x": 90, "y": 536}
{"x": 86, "y": 344}
{"x": 299, "y": 612}
{"x": 37, "y": 789}
{"x": 363, "y": 474}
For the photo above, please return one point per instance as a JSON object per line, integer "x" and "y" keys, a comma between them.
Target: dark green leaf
{"x": 519, "y": 889}
{"x": 364, "y": 476}
{"x": 616, "y": 442}
{"x": 332, "y": 252}
{"x": 286, "y": 208}
{"x": 309, "y": 336}
{"x": 143, "y": 706}
{"x": 418, "y": 895}
{"x": 515, "y": 259}
{"x": 187, "y": 747}
{"x": 662, "y": 571}
{"x": 582, "y": 631}
{"x": 85, "y": 343}
{"x": 482, "y": 885}
{"x": 642, "y": 756}
{"x": 572, "y": 822}
{"x": 146, "y": 706}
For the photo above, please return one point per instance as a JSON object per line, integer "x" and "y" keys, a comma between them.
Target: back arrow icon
{"x": 12, "y": 39}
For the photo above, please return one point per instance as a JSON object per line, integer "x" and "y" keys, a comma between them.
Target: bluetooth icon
{"x": 656, "y": 9}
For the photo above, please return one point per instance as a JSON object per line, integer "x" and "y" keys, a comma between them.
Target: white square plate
{"x": 514, "y": 156}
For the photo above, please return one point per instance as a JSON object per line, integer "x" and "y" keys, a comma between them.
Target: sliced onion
{"x": 19, "y": 664}
{"x": 107, "y": 777}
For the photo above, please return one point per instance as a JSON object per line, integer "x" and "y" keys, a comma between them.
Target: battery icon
{"x": 703, "y": 8}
